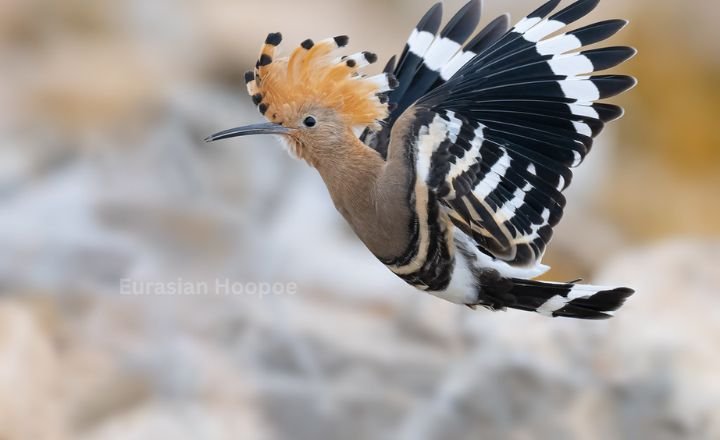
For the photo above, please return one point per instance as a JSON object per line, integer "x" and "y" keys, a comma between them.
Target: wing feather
{"x": 507, "y": 117}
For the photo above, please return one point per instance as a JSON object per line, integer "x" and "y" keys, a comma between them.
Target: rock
{"x": 30, "y": 395}
{"x": 665, "y": 359}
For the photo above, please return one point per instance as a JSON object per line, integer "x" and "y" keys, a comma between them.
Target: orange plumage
{"x": 313, "y": 74}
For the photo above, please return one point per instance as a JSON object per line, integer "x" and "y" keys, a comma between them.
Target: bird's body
{"x": 450, "y": 166}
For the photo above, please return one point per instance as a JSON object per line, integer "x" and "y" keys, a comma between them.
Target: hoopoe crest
{"x": 288, "y": 90}
{"x": 451, "y": 164}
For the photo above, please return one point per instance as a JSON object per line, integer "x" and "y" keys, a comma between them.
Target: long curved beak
{"x": 264, "y": 128}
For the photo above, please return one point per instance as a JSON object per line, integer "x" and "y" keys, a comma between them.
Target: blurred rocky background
{"x": 105, "y": 183}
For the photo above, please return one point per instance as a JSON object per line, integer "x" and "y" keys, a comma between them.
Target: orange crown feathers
{"x": 312, "y": 74}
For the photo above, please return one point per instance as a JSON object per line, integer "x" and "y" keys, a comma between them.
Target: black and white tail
{"x": 570, "y": 300}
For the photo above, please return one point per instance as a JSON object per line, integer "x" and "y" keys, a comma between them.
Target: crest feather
{"x": 311, "y": 74}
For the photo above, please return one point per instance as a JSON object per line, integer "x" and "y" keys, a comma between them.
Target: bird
{"x": 450, "y": 164}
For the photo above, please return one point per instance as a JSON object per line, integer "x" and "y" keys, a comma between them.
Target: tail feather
{"x": 582, "y": 301}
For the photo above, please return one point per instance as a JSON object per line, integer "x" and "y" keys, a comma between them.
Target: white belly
{"x": 463, "y": 288}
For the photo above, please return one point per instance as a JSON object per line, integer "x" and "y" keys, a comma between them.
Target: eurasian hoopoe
{"x": 450, "y": 165}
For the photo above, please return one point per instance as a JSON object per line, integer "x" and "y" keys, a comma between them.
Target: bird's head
{"x": 314, "y": 98}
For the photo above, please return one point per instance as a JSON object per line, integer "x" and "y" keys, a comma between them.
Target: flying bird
{"x": 450, "y": 165}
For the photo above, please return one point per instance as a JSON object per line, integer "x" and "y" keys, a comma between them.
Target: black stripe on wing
{"x": 502, "y": 197}
{"x": 416, "y": 46}
{"x": 491, "y": 33}
{"x": 428, "y": 60}
{"x": 510, "y": 124}
{"x": 437, "y": 55}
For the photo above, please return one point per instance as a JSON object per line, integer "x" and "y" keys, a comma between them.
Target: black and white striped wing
{"x": 497, "y": 140}
{"x": 430, "y": 58}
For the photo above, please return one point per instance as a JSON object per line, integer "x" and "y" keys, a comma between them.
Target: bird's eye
{"x": 310, "y": 121}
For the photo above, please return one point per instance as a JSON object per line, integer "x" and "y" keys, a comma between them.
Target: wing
{"x": 429, "y": 59}
{"x": 497, "y": 140}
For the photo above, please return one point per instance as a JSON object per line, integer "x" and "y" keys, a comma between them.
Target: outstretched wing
{"x": 429, "y": 59}
{"x": 498, "y": 138}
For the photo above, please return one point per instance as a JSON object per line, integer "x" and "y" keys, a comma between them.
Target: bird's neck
{"x": 372, "y": 195}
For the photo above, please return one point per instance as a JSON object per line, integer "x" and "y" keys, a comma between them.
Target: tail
{"x": 569, "y": 300}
